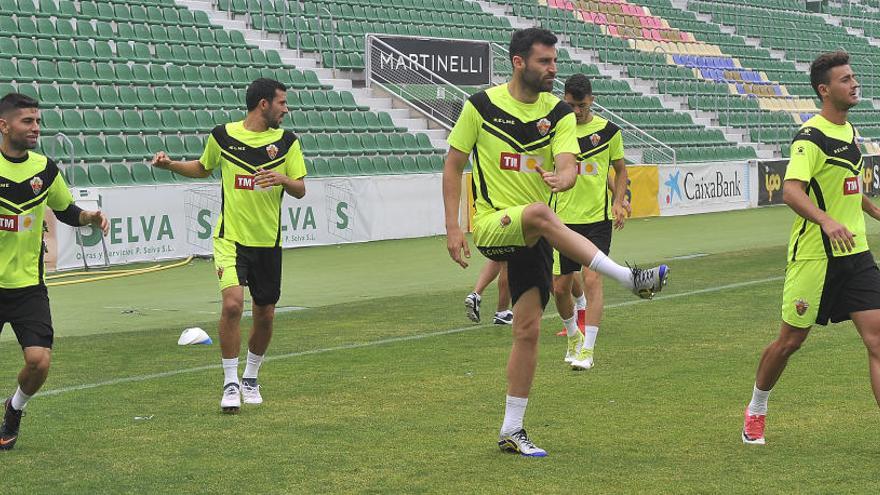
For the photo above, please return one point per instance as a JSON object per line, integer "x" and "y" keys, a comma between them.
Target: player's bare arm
{"x": 456, "y": 243}
{"x": 192, "y": 168}
{"x": 621, "y": 208}
{"x": 870, "y": 208}
{"x": 269, "y": 178}
{"x": 564, "y": 175}
{"x": 795, "y": 196}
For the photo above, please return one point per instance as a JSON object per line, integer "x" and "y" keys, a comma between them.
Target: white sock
{"x": 571, "y": 326}
{"x": 606, "y": 266}
{"x": 580, "y": 302}
{"x": 20, "y": 399}
{"x": 513, "y": 414}
{"x": 230, "y": 370}
{"x": 253, "y": 365}
{"x": 590, "y": 334}
{"x": 758, "y": 405}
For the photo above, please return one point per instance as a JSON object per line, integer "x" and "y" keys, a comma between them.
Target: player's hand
{"x": 455, "y": 244}
{"x": 161, "y": 160}
{"x": 97, "y": 219}
{"x": 551, "y": 179}
{"x": 839, "y": 236}
{"x": 268, "y": 178}
{"x": 620, "y": 211}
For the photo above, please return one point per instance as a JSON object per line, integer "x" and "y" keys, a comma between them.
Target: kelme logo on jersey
{"x": 801, "y": 306}
{"x": 521, "y": 163}
{"x": 36, "y": 185}
{"x": 220, "y": 273}
{"x": 16, "y": 223}
{"x": 587, "y": 168}
{"x": 851, "y": 186}
{"x": 543, "y": 126}
{"x": 272, "y": 151}
{"x": 595, "y": 140}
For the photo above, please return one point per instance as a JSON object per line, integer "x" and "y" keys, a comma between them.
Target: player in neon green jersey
{"x": 589, "y": 209}
{"x": 259, "y": 162}
{"x": 523, "y": 143}
{"x": 29, "y": 182}
{"x": 831, "y": 274}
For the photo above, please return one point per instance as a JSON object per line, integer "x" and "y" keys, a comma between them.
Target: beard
{"x": 534, "y": 82}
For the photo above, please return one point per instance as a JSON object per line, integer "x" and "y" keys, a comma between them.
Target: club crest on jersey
{"x": 595, "y": 140}
{"x": 543, "y": 126}
{"x": 801, "y": 306}
{"x": 272, "y": 151}
{"x": 36, "y": 185}
{"x": 505, "y": 221}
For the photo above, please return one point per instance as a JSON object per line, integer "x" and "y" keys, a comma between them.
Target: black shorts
{"x": 527, "y": 267}
{"x": 599, "y": 233}
{"x": 852, "y": 284}
{"x": 258, "y": 268}
{"x": 27, "y": 311}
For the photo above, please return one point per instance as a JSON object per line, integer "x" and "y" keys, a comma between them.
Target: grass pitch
{"x": 382, "y": 386}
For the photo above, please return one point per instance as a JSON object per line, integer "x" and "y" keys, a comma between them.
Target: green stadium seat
{"x": 140, "y": 174}
{"x": 163, "y": 176}
{"x": 121, "y": 175}
{"x": 77, "y": 176}
{"x": 99, "y": 175}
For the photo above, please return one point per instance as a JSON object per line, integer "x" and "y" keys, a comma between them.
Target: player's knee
{"x": 38, "y": 364}
{"x": 561, "y": 289}
{"x": 232, "y": 308}
{"x": 539, "y": 215}
{"x": 790, "y": 345}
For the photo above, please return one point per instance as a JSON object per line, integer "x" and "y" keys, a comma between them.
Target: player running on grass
{"x": 29, "y": 182}
{"x": 831, "y": 274}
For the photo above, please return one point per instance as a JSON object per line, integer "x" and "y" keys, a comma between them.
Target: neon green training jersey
{"x": 589, "y": 201}
{"x": 509, "y": 140}
{"x": 251, "y": 215}
{"x": 827, "y": 157}
{"x": 27, "y": 187}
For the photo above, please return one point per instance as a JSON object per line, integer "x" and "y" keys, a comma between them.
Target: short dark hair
{"x": 14, "y": 101}
{"x": 262, "y": 89}
{"x": 578, "y": 86}
{"x": 823, "y": 64}
{"x": 522, "y": 40}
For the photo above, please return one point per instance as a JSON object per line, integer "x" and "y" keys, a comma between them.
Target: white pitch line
{"x": 391, "y": 340}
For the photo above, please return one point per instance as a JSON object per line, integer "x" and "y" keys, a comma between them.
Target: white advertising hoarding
{"x": 149, "y": 223}
{"x": 703, "y": 188}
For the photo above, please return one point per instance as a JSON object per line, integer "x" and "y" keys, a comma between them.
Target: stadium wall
{"x": 149, "y": 223}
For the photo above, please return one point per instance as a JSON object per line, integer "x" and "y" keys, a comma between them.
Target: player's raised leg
{"x": 540, "y": 221}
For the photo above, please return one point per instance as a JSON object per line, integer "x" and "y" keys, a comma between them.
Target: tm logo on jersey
{"x": 521, "y": 163}
{"x": 851, "y": 186}
{"x": 16, "y": 223}
{"x": 244, "y": 182}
